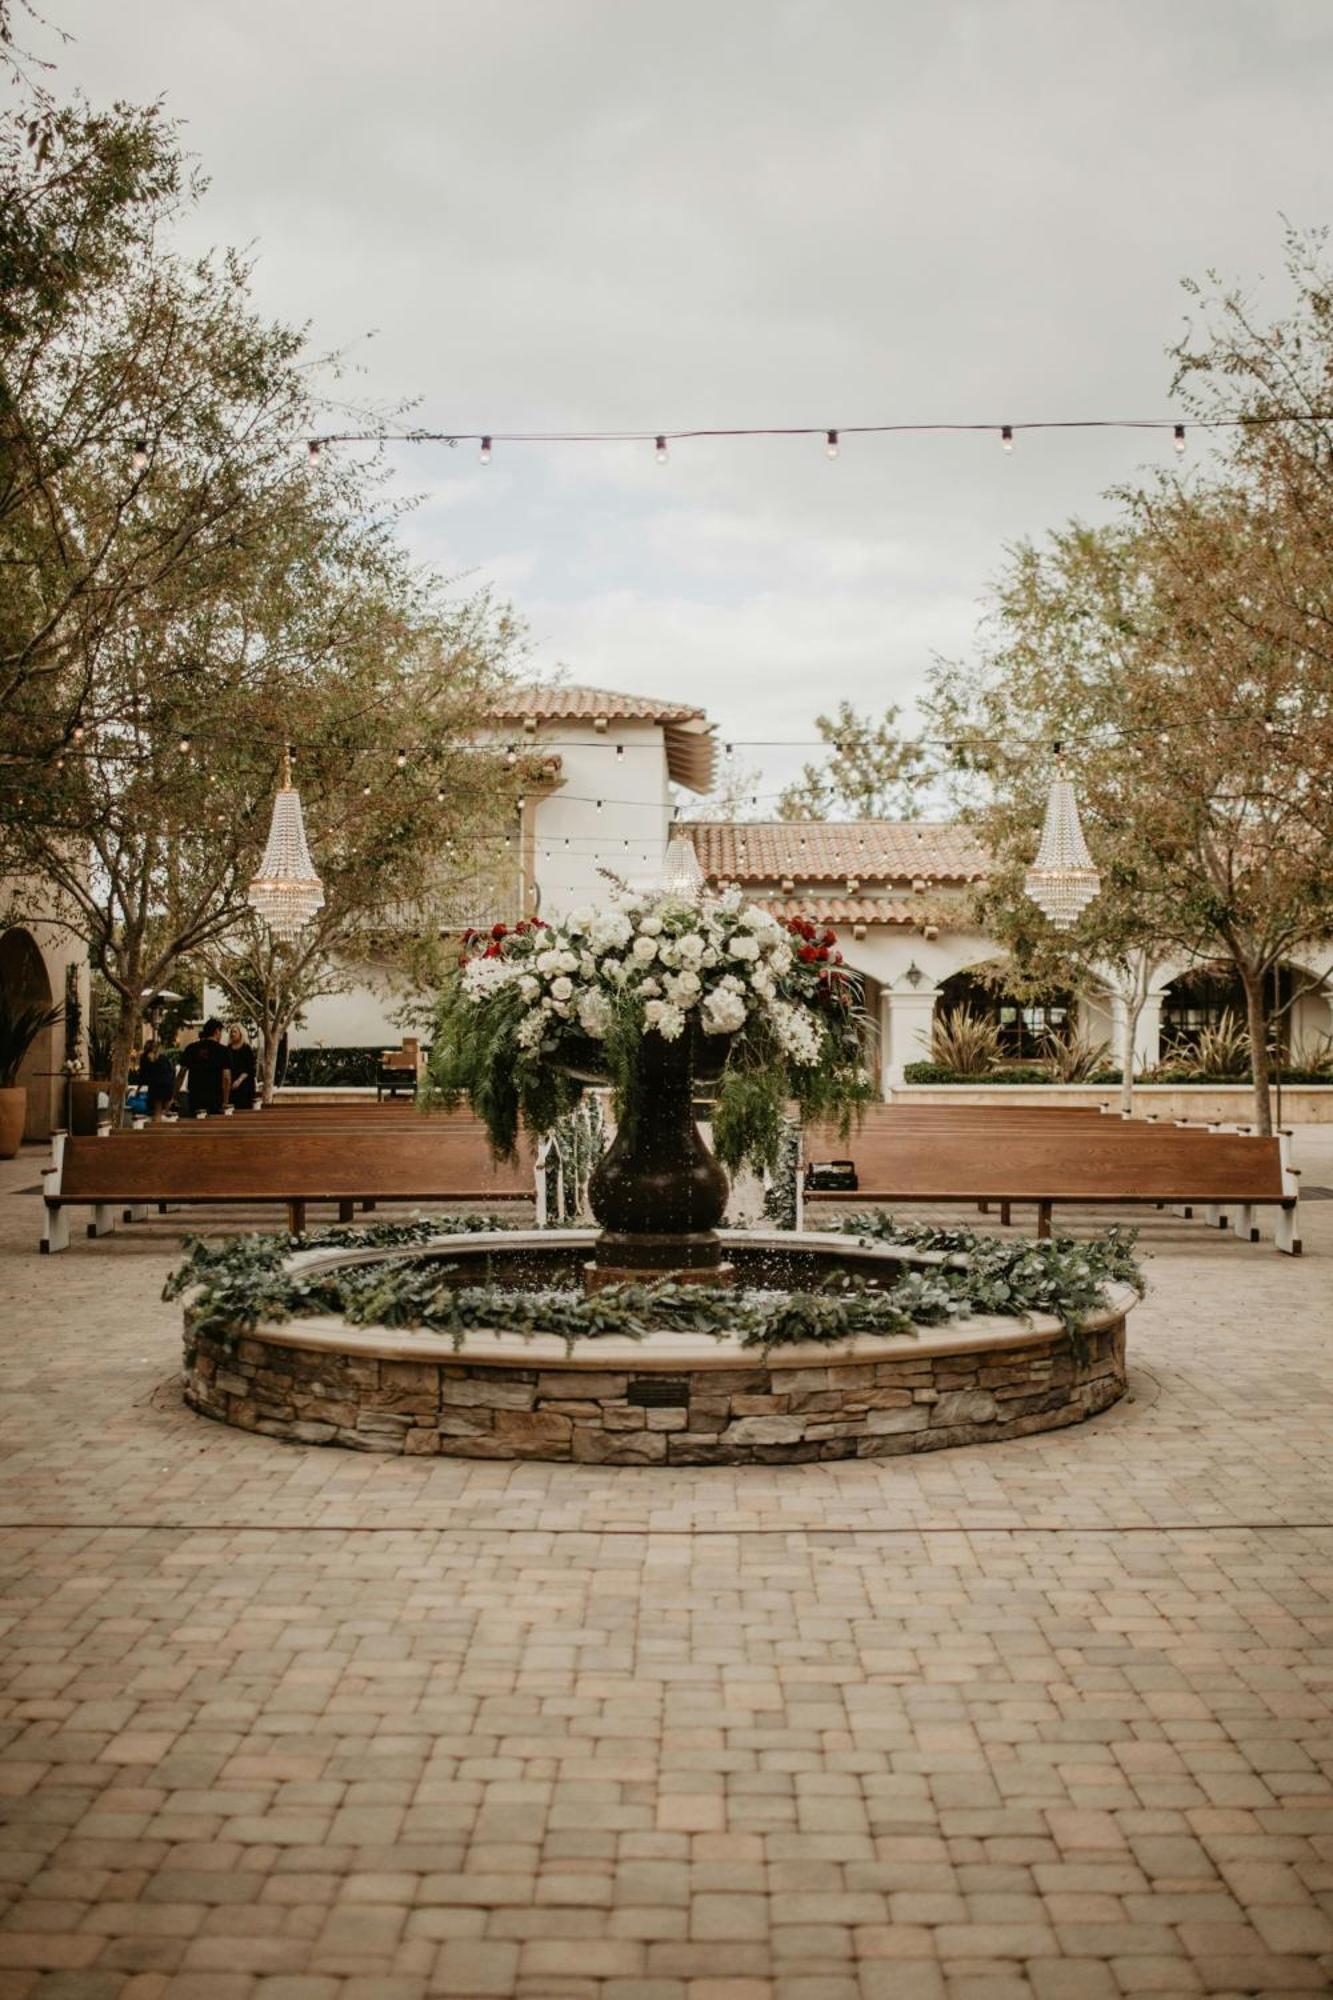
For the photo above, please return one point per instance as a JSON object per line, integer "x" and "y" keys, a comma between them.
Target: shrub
{"x": 930, "y": 1072}
{"x": 332, "y": 1069}
{"x": 967, "y": 1043}
{"x": 1073, "y": 1057}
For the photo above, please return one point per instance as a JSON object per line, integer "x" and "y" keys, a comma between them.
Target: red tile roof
{"x": 688, "y": 732}
{"x": 870, "y": 850}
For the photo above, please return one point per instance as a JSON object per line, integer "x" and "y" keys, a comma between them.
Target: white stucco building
{"x": 612, "y": 770}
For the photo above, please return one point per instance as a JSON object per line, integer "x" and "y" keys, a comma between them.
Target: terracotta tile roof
{"x": 688, "y": 732}
{"x": 847, "y": 910}
{"x": 871, "y": 850}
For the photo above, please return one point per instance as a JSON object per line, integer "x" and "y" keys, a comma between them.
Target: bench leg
{"x": 55, "y": 1229}
{"x": 296, "y": 1218}
{"x": 1284, "y": 1236}
{"x": 137, "y": 1212}
{"x": 1043, "y": 1221}
{"x": 1242, "y": 1222}
{"x": 102, "y": 1223}
{"x": 367, "y": 1206}
{"x": 983, "y": 1208}
{"x": 1004, "y": 1214}
{"x": 346, "y": 1211}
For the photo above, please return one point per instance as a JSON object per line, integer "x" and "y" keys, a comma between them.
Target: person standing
{"x": 206, "y": 1070}
{"x": 241, "y": 1056}
{"x": 157, "y": 1075}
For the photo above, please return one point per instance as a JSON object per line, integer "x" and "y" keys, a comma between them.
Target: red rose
{"x": 807, "y": 954}
{"x": 491, "y": 951}
{"x": 837, "y": 958}
{"x": 830, "y": 937}
{"x": 498, "y": 930}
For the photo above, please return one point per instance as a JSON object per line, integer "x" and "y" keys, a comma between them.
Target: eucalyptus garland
{"x": 239, "y": 1284}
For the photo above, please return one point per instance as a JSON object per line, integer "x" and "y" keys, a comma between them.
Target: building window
{"x": 1023, "y": 1024}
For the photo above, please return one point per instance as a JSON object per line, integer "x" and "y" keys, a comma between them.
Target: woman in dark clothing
{"x": 242, "y": 1059}
{"x": 157, "y": 1074}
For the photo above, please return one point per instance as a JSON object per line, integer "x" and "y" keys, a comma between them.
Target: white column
{"x": 905, "y": 1028}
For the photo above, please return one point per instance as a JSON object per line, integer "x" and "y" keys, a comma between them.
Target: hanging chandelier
{"x": 286, "y": 892}
{"x": 1062, "y": 880}
{"x": 681, "y": 873}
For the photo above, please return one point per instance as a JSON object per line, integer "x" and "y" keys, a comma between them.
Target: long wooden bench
{"x": 1112, "y": 1163}
{"x": 185, "y": 1166}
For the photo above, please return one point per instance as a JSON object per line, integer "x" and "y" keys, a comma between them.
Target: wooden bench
{"x": 1113, "y": 1163}
{"x": 187, "y": 1165}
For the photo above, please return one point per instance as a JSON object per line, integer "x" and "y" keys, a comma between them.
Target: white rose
{"x": 709, "y": 956}
{"x": 645, "y": 949}
{"x": 650, "y": 927}
{"x": 686, "y": 986}
{"x": 529, "y": 987}
{"x": 722, "y": 1013}
{"x": 562, "y": 989}
{"x": 547, "y": 961}
{"x": 567, "y": 961}
{"x": 653, "y": 1012}
{"x": 614, "y": 969}
{"x": 780, "y": 958}
{"x": 690, "y": 947}
{"x": 671, "y": 1024}
{"x": 587, "y": 965}
{"x": 743, "y": 946}
{"x": 649, "y": 986}
{"x": 594, "y": 1014}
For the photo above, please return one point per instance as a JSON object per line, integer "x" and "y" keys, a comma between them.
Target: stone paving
{"x": 1053, "y": 1718}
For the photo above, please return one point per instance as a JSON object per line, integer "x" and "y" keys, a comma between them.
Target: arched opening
{"x": 25, "y": 983}
{"x": 1201, "y": 1000}
{"x": 1022, "y": 1024}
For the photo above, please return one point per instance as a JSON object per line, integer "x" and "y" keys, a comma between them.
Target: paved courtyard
{"x": 1051, "y": 1718}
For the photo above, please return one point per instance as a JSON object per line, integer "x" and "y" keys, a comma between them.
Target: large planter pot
{"x": 658, "y": 1192}
{"x": 13, "y": 1114}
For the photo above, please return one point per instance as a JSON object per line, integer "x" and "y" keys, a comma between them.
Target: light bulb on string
{"x": 831, "y": 444}
{"x": 660, "y": 450}
{"x": 312, "y": 451}
{"x": 139, "y": 456}
{"x": 1006, "y": 437}
{"x": 77, "y": 732}
{"x": 599, "y": 805}
{"x": 485, "y": 453}
{"x": 1178, "y": 439}
{"x": 511, "y": 755}
{"x": 620, "y": 752}
{"x": 186, "y": 744}
{"x": 400, "y": 761}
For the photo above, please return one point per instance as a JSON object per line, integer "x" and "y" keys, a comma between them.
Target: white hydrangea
{"x": 611, "y": 930}
{"x": 486, "y": 975}
{"x": 743, "y": 946}
{"x": 616, "y": 970}
{"x": 529, "y": 987}
{"x": 672, "y": 1024}
{"x": 594, "y": 1010}
{"x": 780, "y": 959}
{"x": 722, "y": 1012}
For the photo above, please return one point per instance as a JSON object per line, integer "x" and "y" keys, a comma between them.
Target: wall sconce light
{"x": 914, "y": 975}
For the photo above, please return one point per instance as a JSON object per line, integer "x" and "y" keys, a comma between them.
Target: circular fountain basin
{"x": 670, "y": 1399}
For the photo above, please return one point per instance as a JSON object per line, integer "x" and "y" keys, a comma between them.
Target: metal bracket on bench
{"x": 55, "y": 1221}
{"x": 1286, "y": 1236}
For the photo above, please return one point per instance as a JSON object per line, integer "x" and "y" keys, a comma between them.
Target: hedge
{"x": 928, "y": 1072}
{"x": 332, "y": 1068}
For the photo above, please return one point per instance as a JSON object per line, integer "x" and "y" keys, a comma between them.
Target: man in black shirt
{"x": 206, "y": 1071}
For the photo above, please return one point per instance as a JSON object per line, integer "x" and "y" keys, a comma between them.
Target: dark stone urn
{"x": 658, "y": 1192}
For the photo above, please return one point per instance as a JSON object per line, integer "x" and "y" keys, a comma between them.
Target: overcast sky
{"x": 625, "y": 214}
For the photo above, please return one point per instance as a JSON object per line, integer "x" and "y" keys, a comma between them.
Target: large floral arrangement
{"x": 534, "y": 1011}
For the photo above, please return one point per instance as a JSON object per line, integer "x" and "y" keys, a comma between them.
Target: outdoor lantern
{"x": 286, "y": 892}
{"x": 1062, "y": 880}
{"x": 681, "y": 873}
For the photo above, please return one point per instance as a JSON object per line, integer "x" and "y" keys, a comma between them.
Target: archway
{"x": 24, "y": 981}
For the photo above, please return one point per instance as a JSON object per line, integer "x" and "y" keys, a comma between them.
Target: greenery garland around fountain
{"x": 239, "y": 1284}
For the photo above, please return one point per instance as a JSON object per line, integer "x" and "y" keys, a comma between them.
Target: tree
{"x": 872, "y": 773}
{"x": 1197, "y": 738}
{"x": 175, "y": 614}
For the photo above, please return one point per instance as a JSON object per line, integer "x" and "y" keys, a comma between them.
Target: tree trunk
{"x": 270, "y": 1044}
{"x": 1256, "y": 1009}
{"x": 122, "y": 1048}
{"x": 1129, "y": 1035}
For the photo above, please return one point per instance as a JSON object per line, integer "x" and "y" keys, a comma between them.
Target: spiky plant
{"x": 1073, "y": 1057}
{"x": 967, "y": 1043}
{"x": 20, "y": 1025}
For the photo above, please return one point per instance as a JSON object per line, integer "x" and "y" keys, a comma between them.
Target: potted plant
{"x": 651, "y": 996}
{"x": 20, "y": 1025}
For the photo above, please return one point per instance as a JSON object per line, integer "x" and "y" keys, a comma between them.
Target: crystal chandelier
{"x": 286, "y": 892}
{"x": 681, "y": 873}
{"x": 1062, "y": 880}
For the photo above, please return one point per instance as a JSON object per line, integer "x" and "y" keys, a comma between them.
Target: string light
{"x": 485, "y": 453}
{"x": 620, "y": 753}
{"x": 185, "y": 745}
{"x": 660, "y": 449}
{"x": 139, "y": 457}
{"x": 831, "y": 444}
{"x": 77, "y": 733}
{"x": 1178, "y": 438}
{"x": 1006, "y": 437}
{"x": 401, "y": 760}
{"x": 312, "y": 450}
